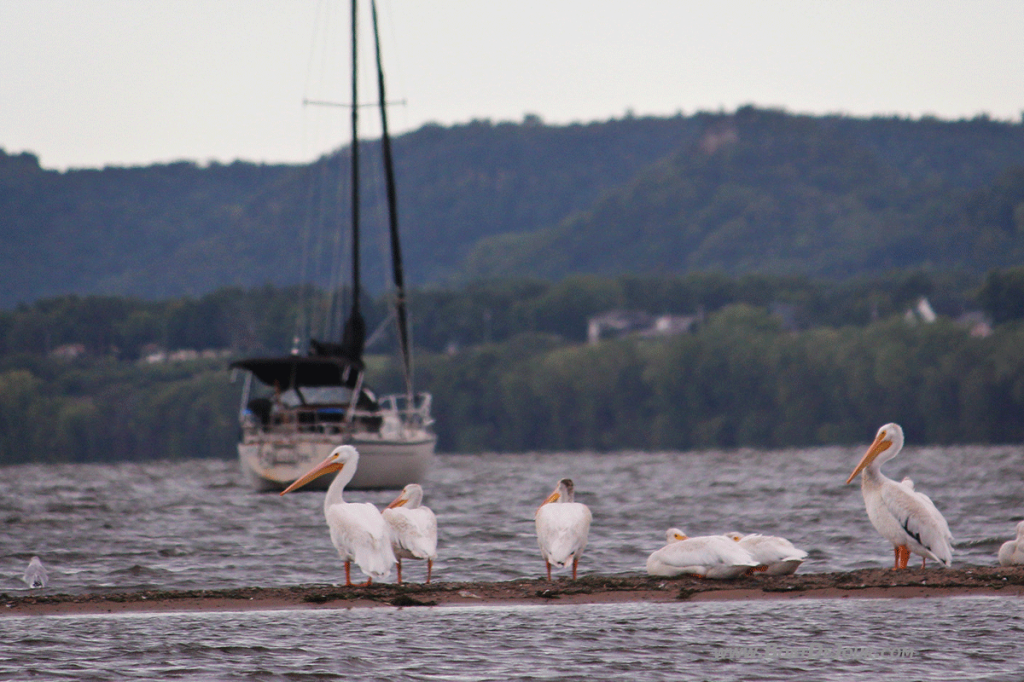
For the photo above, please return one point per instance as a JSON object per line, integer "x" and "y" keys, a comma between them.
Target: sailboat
{"x": 303, "y": 405}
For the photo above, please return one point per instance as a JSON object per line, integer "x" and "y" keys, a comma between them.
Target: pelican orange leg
{"x": 902, "y": 556}
{"x": 348, "y": 577}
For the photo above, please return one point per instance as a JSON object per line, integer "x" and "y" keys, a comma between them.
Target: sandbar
{"x": 588, "y": 589}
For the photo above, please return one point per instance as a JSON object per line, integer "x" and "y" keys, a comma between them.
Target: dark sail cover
{"x": 289, "y": 371}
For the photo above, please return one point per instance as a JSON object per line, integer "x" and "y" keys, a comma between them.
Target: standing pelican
{"x": 35, "y": 574}
{"x": 908, "y": 483}
{"x": 774, "y": 555}
{"x": 904, "y": 517}
{"x": 413, "y": 528}
{"x": 706, "y": 556}
{"x": 358, "y": 530}
{"x": 562, "y": 528}
{"x": 1012, "y": 552}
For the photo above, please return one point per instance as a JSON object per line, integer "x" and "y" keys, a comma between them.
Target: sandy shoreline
{"x": 594, "y": 589}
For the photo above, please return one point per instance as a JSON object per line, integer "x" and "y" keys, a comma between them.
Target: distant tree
{"x": 1002, "y": 294}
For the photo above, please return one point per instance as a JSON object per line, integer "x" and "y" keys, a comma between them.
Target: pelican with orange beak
{"x": 358, "y": 530}
{"x": 562, "y": 528}
{"x": 413, "y": 528}
{"x": 1010, "y": 553}
{"x": 898, "y": 513}
{"x": 706, "y": 556}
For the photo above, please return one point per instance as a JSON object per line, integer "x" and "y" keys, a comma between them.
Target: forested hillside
{"x": 750, "y": 191}
{"x": 767, "y": 192}
{"x": 135, "y": 231}
{"x": 164, "y": 231}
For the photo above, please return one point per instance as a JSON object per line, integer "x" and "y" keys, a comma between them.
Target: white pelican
{"x": 908, "y": 483}
{"x": 413, "y": 528}
{"x": 35, "y": 574}
{"x": 1012, "y": 552}
{"x": 562, "y": 528}
{"x": 706, "y": 556}
{"x": 904, "y": 517}
{"x": 358, "y": 531}
{"x": 774, "y": 555}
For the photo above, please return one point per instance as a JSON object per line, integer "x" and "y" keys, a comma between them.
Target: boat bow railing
{"x": 395, "y": 413}
{"x": 411, "y": 413}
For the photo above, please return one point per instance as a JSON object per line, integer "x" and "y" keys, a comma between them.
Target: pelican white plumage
{"x": 413, "y": 528}
{"x": 358, "y": 530}
{"x": 1012, "y": 552}
{"x": 706, "y": 556}
{"x": 904, "y": 517}
{"x": 908, "y": 483}
{"x": 562, "y": 528}
{"x": 774, "y": 555}
{"x": 35, "y": 574}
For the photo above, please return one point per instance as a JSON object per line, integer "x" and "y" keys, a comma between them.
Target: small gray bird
{"x": 35, "y": 574}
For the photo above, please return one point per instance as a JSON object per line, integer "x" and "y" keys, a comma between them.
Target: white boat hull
{"x": 273, "y": 463}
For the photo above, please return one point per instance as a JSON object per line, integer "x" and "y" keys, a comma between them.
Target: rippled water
{"x": 964, "y": 638}
{"x": 194, "y": 524}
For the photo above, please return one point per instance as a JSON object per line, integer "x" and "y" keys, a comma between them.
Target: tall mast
{"x": 396, "y": 247}
{"x": 354, "y": 334}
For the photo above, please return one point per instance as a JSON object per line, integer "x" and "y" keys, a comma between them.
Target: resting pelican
{"x": 35, "y": 574}
{"x": 706, "y": 556}
{"x": 774, "y": 555}
{"x": 562, "y": 528}
{"x": 906, "y": 518}
{"x": 413, "y": 528}
{"x": 358, "y": 531}
{"x": 1012, "y": 552}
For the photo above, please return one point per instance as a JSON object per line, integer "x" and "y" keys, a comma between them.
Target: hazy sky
{"x": 88, "y": 83}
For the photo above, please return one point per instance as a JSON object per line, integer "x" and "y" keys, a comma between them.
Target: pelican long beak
{"x": 399, "y": 501}
{"x": 878, "y": 447}
{"x": 551, "y": 498}
{"x": 325, "y": 467}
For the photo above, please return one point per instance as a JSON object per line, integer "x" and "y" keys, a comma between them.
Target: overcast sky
{"x": 89, "y": 83}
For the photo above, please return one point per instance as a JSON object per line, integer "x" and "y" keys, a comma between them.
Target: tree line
{"x": 744, "y": 378}
{"x": 740, "y": 381}
{"x": 265, "y": 320}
